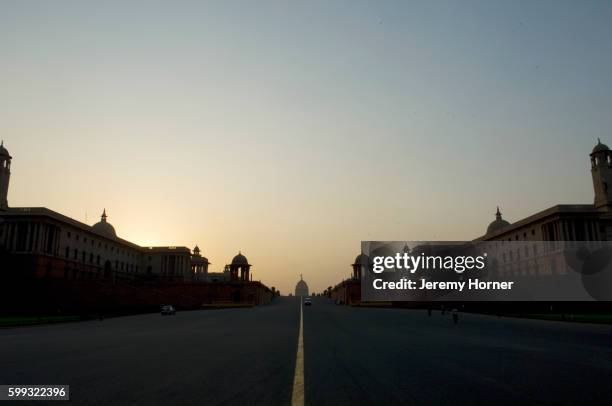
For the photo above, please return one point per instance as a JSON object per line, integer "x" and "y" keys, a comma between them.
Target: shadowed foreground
{"x": 351, "y": 356}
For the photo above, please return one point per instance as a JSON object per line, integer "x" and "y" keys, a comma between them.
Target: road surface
{"x": 351, "y": 356}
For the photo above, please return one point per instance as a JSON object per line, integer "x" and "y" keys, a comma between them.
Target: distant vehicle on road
{"x": 307, "y": 302}
{"x": 167, "y": 310}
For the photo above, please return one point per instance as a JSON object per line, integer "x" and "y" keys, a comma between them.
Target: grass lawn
{"x": 12, "y": 321}
{"x": 578, "y": 318}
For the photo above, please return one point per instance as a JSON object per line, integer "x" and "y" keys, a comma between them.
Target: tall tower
{"x": 601, "y": 171}
{"x": 5, "y": 176}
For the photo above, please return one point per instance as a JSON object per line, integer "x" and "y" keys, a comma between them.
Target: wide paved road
{"x": 351, "y": 356}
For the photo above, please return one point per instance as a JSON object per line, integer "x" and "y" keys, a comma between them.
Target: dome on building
{"x": 301, "y": 289}
{"x": 105, "y": 228}
{"x": 600, "y": 147}
{"x": 362, "y": 259}
{"x": 498, "y": 224}
{"x": 240, "y": 260}
{"x": 4, "y": 151}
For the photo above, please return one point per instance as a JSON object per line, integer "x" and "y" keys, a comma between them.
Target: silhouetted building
{"x": 239, "y": 268}
{"x": 45, "y": 243}
{"x": 301, "y": 289}
{"x": 561, "y": 223}
{"x": 566, "y": 222}
{"x": 199, "y": 265}
{"x": 5, "y": 176}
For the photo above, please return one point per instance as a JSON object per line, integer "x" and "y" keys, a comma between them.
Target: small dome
{"x": 362, "y": 259}
{"x": 104, "y": 228}
{"x": 600, "y": 147}
{"x": 240, "y": 260}
{"x": 4, "y": 151}
{"x": 498, "y": 224}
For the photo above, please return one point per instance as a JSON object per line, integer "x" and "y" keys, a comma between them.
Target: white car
{"x": 167, "y": 310}
{"x": 307, "y": 302}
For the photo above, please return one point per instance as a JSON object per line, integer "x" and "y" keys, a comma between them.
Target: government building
{"x": 560, "y": 225}
{"x": 39, "y": 243}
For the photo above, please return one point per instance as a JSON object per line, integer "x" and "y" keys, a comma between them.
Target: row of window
{"x": 93, "y": 242}
{"x": 120, "y": 266}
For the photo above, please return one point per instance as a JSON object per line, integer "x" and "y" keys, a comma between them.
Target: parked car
{"x": 307, "y": 302}
{"x": 167, "y": 310}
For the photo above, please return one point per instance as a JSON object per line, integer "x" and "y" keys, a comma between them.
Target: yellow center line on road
{"x": 297, "y": 397}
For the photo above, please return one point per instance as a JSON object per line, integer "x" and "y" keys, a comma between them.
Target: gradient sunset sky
{"x": 293, "y": 130}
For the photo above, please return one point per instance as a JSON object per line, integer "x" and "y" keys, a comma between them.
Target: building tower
{"x": 360, "y": 266}
{"x": 239, "y": 268}
{"x": 601, "y": 171}
{"x": 199, "y": 265}
{"x": 5, "y": 176}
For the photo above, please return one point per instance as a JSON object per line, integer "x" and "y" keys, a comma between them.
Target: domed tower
{"x": 362, "y": 261}
{"x": 601, "y": 172}
{"x": 498, "y": 224}
{"x": 5, "y": 176}
{"x": 239, "y": 265}
{"x": 301, "y": 289}
{"x": 199, "y": 265}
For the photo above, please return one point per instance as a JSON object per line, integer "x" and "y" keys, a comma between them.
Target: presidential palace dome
{"x": 301, "y": 289}
{"x": 104, "y": 228}
{"x": 498, "y": 224}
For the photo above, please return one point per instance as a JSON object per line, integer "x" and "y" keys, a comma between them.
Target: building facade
{"x": 542, "y": 237}
{"x": 43, "y": 243}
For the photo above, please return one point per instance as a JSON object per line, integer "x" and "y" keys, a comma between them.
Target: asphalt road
{"x": 232, "y": 356}
{"x": 393, "y": 356}
{"x": 351, "y": 356}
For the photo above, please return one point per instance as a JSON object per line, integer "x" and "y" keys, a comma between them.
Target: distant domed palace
{"x": 301, "y": 289}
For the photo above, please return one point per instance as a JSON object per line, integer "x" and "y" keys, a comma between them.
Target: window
{"x": 84, "y": 239}
{"x": 91, "y": 257}
{"x": 98, "y": 260}
{"x": 67, "y": 252}
{"x": 69, "y": 234}
{"x": 76, "y": 254}
{"x": 76, "y": 237}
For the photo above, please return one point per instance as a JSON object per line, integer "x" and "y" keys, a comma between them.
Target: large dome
{"x": 301, "y": 288}
{"x": 105, "y": 228}
{"x": 240, "y": 260}
{"x": 498, "y": 224}
{"x": 600, "y": 147}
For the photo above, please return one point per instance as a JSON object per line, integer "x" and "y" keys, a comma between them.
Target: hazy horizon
{"x": 292, "y": 131}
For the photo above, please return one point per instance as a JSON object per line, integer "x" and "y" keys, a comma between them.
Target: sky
{"x": 292, "y": 130}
